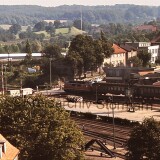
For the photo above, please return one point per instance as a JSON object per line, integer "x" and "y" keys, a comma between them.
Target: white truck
{"x": 26, "y": 91}
{"x": 20, "y": 92}
{"x": 14, "y": 93}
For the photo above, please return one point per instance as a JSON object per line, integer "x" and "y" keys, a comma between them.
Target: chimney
{"x": 1, "y": 150}
{"x": 3, "y": 146}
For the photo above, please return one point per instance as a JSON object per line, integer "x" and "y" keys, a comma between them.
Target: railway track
{"x": 102, "y": 126}
{"x": 104, "y": 132}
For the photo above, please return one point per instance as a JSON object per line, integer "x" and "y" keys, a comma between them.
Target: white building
{"x": 154, "y": 52}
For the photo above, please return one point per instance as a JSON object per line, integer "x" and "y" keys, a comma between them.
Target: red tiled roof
{"x": 118, "y": 49}
{"x": 11, "y": 151}
{"x": 146, "y": 27}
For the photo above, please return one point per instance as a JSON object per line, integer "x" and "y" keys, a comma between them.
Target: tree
{"x": 29, "y": 29}
{"x": 40, "y": 26}
{"x": 36, "y": 46}
{"x": 28, "y": 51}
{"x": 98, "y": 53}
{"x": 57, "y": 23}
{"x": 75, "y": 61}
{"x": 135, "y": 61}
{"x": 52, "y": 51}
{"x": 14, "y": 48}
{"x": 145, "y": 57}
{"x": 40, "y": 128}
{"x": 106, "y": 46}
{"x": 85, "y": 25}
{"x": 15, "y": 28}
{"x": 84, "y": 46}
{"x": 144, "y": 141}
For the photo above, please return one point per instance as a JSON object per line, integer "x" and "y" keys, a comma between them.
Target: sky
{"x": 53, "y": 3}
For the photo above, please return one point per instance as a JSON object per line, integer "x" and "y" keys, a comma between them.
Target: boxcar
{"x": 111, "y": 88}
{"x": 146, "y": 91}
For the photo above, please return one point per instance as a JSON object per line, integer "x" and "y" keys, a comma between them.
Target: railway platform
{"x": 120, "y": 110}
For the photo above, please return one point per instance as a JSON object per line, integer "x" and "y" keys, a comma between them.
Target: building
{"x": 18, "y": 56}
{"x": 125, "y": 74}
{"x": 118, "y": 58}
{"x": 154, "y": 50}
{"x": 146, "y": 46}
{"x": 146, "y": 28}
{"x": 7, "y": 150}
{"x": 130, "y": 51}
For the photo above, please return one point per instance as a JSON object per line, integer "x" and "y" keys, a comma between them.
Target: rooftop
{"x": 11, "y": 151}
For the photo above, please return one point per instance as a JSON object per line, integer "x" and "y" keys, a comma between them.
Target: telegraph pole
{"x": 50, "y": 59}
{"x": 81, "y": 18}
{"x": 2, "y": 74}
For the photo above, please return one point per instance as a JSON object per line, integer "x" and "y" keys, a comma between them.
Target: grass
{"x": 7, "y": 26}
{"x": 72, "y": 31}
{"x": 62, "y": 31}
{"x": 44, "y": 32}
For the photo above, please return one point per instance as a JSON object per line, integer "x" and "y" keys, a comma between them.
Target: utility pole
{"x": 81, "y": 18}
{"x": 114, "y": 143}
{"x": 2, "y": 79}
{"x": 50, "y": 59}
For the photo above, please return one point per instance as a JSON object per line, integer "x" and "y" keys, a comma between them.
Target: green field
{"x": 6, "y": 27}
{"x": 72, "y": 31}
{"x": 64, "y": 31}
{"x": 44, "y": 32}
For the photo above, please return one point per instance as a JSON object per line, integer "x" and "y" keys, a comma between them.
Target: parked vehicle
{"x": 74, "y": 98}
{"x": 14, "y": 93}
{"x": 20, "y": 92}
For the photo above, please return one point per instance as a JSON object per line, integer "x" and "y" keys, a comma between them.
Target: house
{"x": 147, "y": 28}
{"x": 146, "y": 46}
{"x": 154, "y": 50}
{"x": 118, "y": 58}
{"x": 130, "y": 51}
{"x": 139, "y": 45}
{"x": 7, "y": 150}
{"x": 124, "y": 74}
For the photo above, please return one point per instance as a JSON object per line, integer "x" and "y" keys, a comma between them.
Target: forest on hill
{"x": 31, "y": 14}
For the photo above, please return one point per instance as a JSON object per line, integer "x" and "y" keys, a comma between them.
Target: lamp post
{"x": 2, "y": 79}
{"x": 113, "y": 107}
{"x": 50, "y": 79}
{"x": 5, "y": 78}
{"x": 97, "y": 92}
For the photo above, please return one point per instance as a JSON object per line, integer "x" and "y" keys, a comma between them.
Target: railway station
{"x": 120, "y": 111}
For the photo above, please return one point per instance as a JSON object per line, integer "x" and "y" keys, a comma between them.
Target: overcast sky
{"x": 51, "y": 3}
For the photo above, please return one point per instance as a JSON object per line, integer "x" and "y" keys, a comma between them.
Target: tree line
{"x": 28, "y": 15}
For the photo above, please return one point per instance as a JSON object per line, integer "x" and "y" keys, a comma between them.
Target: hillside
{"x": 29, "y": 15}
{"x": 64, "y": 31}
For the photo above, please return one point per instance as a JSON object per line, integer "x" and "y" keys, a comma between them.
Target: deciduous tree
{"x": 144, "y": 142}
{"x": 40, "y": 128}
{"x": 145, "y": 57}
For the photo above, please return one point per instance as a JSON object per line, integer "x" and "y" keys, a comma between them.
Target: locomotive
{"x": 103, "y": 88}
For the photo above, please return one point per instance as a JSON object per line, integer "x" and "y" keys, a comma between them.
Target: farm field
{"x": 6, "y": 27}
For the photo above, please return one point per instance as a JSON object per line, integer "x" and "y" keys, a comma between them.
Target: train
{"x": 104, "y": 88}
